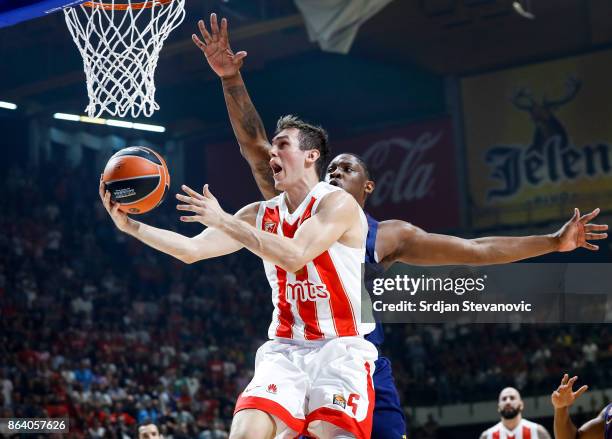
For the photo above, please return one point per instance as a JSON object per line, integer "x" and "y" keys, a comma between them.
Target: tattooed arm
{"x": 246, "y": 123}
{"x": 250, "y": 133}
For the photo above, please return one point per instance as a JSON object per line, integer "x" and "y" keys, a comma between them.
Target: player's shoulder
{"x": 534, "y": 426}
{"x": 542, "y": 432}
{"x": 397, "y": 228}
{"x": 330, "y": 195}
{"x": 249, "y": 212}
{"x": 271, "y": 202}
{"x": 528, "y": 423}
{"x": 606, "y": 413}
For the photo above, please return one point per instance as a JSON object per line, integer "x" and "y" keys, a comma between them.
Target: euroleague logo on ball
{"x": 124, "y": 193}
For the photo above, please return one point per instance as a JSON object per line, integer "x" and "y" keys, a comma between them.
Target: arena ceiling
{"x": 42, "y": 69}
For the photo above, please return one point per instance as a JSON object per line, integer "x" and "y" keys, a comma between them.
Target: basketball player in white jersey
{"x": 314, "y": 375}
{"x": 512, "y": 425}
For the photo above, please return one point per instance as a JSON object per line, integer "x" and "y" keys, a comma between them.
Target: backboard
{"x": 17, "y": 11}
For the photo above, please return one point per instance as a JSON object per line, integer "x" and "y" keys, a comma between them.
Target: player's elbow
{"x": 187, "y": 259}
{"x": 480, "y": 253}
{"x": 188, "y": 254}
{"x": 293, "y": 262}
{"x": 291, "y": 266}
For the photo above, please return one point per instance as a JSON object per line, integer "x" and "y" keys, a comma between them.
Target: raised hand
{"x": 564, "y": 396}
{"x": 121, "y": 220}
{"x": 578, "y": 231}
{"x": 205, "y": 206}
{"x": 216, "y": 48}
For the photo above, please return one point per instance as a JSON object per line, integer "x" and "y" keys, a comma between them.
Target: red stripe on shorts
{"x": 270, "y": 407}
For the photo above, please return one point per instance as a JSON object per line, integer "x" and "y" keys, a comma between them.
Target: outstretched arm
{"x": 562, "y": 399}
{"x": 335, "y": 217}
{"x": 246, "y": 123}
{"x": 208, "y": 244}
{"x": 399, "y": 241}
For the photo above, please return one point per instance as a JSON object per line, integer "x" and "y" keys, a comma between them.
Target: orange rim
{"x": 125, "y": 6}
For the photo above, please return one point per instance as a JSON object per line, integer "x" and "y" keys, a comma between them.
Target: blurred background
{"x": 474, "y": 120}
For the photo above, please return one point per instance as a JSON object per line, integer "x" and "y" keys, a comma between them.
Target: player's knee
{"x": 252, "y": 424}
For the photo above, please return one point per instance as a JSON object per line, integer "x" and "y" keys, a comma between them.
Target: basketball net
{"x": 120, "y": 41}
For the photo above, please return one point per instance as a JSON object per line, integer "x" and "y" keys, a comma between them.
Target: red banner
{"x": 414, "y": 170}
{"x": 230, "y": 177}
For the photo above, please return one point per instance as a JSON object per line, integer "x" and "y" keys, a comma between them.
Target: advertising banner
{"x": 539, "y": 139}
{"x": 415, "y": 172}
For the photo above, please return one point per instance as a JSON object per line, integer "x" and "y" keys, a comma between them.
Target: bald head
{"x": 509, "y": 403}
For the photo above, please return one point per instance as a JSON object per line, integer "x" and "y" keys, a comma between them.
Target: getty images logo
{"x": 303, "y": 291}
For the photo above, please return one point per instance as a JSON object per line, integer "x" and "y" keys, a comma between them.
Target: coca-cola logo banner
{"x": 414, "y": 168}
{"x": 539, "y": 140}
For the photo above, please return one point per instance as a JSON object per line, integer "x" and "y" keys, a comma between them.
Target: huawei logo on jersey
{"x": 303, "y": 291}
{"x": 272, "y": 389}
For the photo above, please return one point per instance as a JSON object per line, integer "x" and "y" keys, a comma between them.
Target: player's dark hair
{"x": 311, "y": 137}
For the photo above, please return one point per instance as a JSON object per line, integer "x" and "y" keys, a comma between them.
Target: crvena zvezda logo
{"x": 270, "y": 227}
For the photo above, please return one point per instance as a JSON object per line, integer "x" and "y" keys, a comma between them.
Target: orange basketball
{"x": 137, "y": 178}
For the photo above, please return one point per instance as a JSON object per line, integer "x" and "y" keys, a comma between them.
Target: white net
{"x": 120, "y": 42}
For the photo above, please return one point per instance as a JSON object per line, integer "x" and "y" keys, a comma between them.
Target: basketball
{"x": 137, "y": 178}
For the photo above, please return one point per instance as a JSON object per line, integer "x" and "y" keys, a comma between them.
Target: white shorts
{"x": 301, "y": 383}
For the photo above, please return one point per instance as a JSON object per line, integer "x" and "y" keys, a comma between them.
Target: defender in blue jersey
{"x": 388, "y": 241}
{"x": 562, "y": 399}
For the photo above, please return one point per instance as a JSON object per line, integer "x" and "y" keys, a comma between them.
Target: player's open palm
{"x": 216, "y": 48}
{"x": 578, "y": 231}
{"x": 565, "y": 396}
{"x": 205, "y": 207}
{"x": 119, "y": 217}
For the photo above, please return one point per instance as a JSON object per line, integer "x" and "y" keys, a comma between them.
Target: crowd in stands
{"x": 100, "y": 328}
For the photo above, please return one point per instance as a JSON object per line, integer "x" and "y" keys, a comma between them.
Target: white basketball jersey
{"x": 524, "y": 430}
{"x": 322, "y": 300}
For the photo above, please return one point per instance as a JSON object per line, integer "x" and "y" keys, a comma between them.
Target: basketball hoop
{"x": 120, "y": 41}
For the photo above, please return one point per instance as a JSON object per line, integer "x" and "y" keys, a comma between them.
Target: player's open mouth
{"x": 335, "y": 183}
{"x": 276, "y": 169}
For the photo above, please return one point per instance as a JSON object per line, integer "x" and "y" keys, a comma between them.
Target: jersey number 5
{"x": 351, "y": 402}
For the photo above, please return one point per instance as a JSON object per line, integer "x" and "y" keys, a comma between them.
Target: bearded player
{"x": 314, "y": 375}
{"x": 562, "y": 399}
{"x": 388, "y": 241}
{"x": 512, "y": 424}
